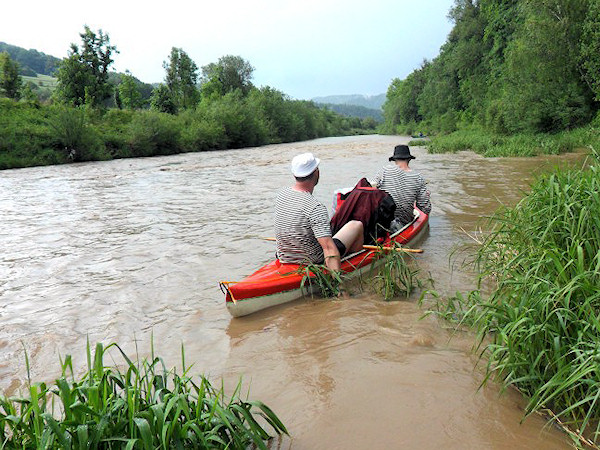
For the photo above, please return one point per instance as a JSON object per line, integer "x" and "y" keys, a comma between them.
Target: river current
{"x": 131, "y": 251}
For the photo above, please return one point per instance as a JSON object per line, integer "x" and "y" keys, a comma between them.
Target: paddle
{"x": 375, "y": 247}
{"x": 398, "y": 249}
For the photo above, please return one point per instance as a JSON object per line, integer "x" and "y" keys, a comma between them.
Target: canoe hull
{"x": 275, "y": 283}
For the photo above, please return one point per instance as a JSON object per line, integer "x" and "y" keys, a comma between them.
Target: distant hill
{"x": 354, "y": 111}
{"x": 31, "y": 62}
{"x": 368, "y": 101}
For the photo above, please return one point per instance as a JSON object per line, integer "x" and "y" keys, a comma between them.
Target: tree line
{"x": 507, "y": 66}
{"x": 194, "y": 109}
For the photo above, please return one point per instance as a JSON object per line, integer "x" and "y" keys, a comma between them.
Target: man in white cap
{"x": 302, "y": 228}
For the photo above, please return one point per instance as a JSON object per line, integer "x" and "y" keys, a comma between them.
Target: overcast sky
{"x": 304, "y": 48}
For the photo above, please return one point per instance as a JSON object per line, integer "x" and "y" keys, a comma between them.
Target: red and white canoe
{"x": 277, "y": 283}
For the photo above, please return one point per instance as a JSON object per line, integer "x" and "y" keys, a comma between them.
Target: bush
{"x": 153, "y": 133}
{"x": 71, "y": 134}
{"x": 242, "y": 127}
{"x": 201, "y": 135}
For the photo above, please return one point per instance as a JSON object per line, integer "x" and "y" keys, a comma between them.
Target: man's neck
{"x": 304, "y": 187}
{"x": 403, "y": 165}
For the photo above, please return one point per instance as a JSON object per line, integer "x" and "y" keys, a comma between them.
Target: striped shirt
{"x": 406, "y": 188}
{"x": 299, "y": 220}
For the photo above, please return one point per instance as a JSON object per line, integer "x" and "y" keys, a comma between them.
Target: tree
{"x": 181, "y": 79}
{"x": 401, "y": 106}
{"x": 130, "y": 96}
{"x": 590, "y": 49}
{"x": 10, "y": 80}
{"x": 83, "y": 75}
{"x": 162, "y": 100}
{"x": 543, "y": 88}
{"x": 227, "y": 75}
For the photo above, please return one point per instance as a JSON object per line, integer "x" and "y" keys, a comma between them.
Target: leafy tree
{"x": 130, "y": 96}
{"x": 162, "y": 100}
{"x": 28, "y": 93}
{"x": 227, "y": 75}
{"x": 10, "y": 80}
{"x": 401, "y": 106}
{"x": 181, "y": 79}
{"x": 543, "y": 87}
{"x": 590, "y": 49}
{"x": 83, "y": 76}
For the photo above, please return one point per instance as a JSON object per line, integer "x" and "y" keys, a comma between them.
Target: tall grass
{"x": 143, "y": 406}
{"x": 496, "y": 145}
{"x": 395, "y": 277}
{"x": 543, "y": 315}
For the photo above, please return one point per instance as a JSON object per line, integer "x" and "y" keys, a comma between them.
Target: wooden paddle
{"x": 376, "y": 247}
{"x": 398, "y": 249}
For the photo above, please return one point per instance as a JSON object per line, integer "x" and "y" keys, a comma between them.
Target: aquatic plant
{"x": 327, "y": 282}
{"x": 141, "y": 406}
{"x": 391, "y": 274}
{"x": 543, "y": 315}
{"x": 395, "y": 277}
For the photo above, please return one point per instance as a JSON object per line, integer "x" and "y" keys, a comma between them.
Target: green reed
{"x": 543, "y": 314}
{"x": 392, "y": 277}
{"x": 142, "y": 406}
{"x": 327, "y": 282}
{"x": 395, "y": 277}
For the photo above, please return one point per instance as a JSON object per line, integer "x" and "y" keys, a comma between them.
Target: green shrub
{"x": 71, "y": 134}
{"x": 202, "y": 135}
{"x": 152, "y": 133}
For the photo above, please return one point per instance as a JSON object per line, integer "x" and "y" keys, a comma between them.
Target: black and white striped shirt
{"x": 299, "y": 220}
{"x": 406, "y": 188}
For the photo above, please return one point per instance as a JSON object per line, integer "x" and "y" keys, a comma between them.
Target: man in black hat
{"x": 406, "y": 186}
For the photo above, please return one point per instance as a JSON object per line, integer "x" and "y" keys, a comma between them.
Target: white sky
{"x": 304, "y": 48}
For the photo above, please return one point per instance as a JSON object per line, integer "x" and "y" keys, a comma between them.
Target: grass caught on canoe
{"x": 542, "y": 316}
{"x": 391, "y": 277}
{"x": 142, "y": 406}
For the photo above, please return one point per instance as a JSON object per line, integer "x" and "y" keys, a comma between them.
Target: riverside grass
{"x": 498, "y": 145}
{"x": 539, "y": 328}
{"x": 145, "y": 406}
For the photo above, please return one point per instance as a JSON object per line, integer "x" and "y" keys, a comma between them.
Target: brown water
{"x": 123, "y": 250}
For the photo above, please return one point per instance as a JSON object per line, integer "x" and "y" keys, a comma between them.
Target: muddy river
{"x": 132, "y": 250}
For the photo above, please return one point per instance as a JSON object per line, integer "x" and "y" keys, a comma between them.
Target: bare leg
{"x": 351, "y": 236}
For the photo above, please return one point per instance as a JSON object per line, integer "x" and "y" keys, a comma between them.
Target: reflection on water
{"x": 130, "y": 249}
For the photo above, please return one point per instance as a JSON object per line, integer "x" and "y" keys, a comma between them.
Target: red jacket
{"x": 373, "y": 207}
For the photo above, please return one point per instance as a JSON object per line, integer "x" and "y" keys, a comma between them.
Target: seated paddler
{"x": 302, "y": 228}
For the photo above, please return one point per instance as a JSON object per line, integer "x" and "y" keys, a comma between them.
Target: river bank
{"x": 39, "y": 135}
{"x": 538, "y": 328}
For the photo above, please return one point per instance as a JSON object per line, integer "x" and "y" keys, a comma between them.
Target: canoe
{"x": 276, "y": 283}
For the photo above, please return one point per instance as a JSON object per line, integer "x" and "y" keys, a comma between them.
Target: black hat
{"x": 401, "y": 152}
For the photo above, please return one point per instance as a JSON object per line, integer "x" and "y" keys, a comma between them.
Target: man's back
{"x": 406, "y": 188}
{"x": 299, "y": 220}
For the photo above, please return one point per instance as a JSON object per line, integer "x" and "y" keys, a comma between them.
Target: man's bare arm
{"x": 332, "y": 255}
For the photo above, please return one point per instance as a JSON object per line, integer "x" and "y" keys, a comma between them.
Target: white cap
{"x": 305, "y": 164}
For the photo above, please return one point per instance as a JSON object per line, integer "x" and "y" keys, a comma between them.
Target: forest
{"x": 95, "y": 114}
{"x": 507, "y": 68}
